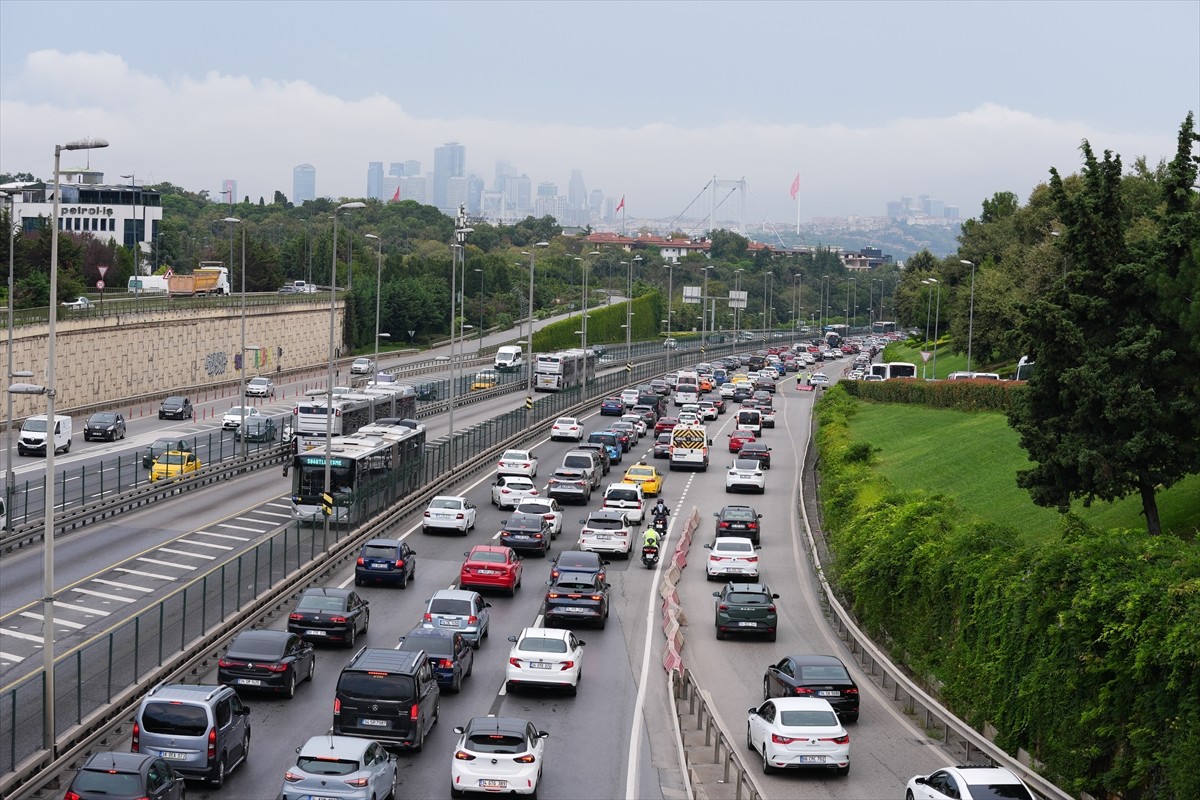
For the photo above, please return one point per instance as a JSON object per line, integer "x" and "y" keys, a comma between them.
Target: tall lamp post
{"x": 457, "y": 251}
{"x": 532, "y": 253}
{"x": 48, "y": 732}
{"x": 583, "y": 332}
{"x": 737, "y": 317}
{"x": 928, "y": 308}
{"x": 937, "y": 313}
{"x": 9, "y": 480}
{"x": 971, "y": 314}
{"x": 480, "y": 271}
{"x": 242, "y": 358}
{"x": 670, "y": 294}
{"x": 329, "y": 390}
{"x": 378, "y": 288}
{"x": 796, "y": 278}
{"x": 768, "y": 290}
{"x": 704, "y": 311}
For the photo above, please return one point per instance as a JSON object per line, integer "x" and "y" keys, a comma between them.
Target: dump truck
{"x": 210, "y": 278}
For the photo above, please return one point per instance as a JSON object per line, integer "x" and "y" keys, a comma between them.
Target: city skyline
{"x": 943, "y": 107}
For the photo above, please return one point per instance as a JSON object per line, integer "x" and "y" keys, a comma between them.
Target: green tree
{"x": 1112, "y": 408}
{"x": 727, "y": 245}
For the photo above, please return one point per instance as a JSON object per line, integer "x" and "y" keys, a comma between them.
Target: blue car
{"x": 450, "y": 654}
{"x": 612, "y": 407}
{"x": 611, "y": 445}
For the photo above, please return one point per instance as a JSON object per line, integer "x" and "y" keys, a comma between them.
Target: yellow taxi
{"x": 705, "y": 384}
{"x": 173, "y": 464}
{"x": 484, "y": 380}
{"x": 648, "y": 477}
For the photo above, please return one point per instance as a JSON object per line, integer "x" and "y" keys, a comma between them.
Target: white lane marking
{"x": 57, "y": 621}
{"x": 224, "y": 536}
{"x": 10, "y": 657}
{"x": 204, "y": 544}
{"x": 119, "y": 585}
{"x": 185, "y": 553}
{"x": 270, "y": 514}
{"x": 143, "y": 574}
{"x": 165, "y": 563}
{"x": 81, "y": 609}
{"x": 29, "y": 637}
{"x": 90, "y": 593}
{"x": 238, "y": 527}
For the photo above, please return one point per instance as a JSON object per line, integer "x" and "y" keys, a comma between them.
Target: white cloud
{"x": 196, "y": 131}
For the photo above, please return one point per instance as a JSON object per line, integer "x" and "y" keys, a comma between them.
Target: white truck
{"x": 509, "y": 358}
{"x": 148, "y": 284}
{"x": 689, "y": 447}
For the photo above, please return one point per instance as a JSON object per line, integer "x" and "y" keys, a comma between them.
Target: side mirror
{"x": 708, "y": 547}
{"x": 752, "y": 711}
{"x": 774, "y": 597}
{"x": 582, "y": 643}
{"x": 513, "y": 638}
{"x": 468, "y": 553}
{"x": 549, "y": 583}
{"x": 716, "y": 514}
{"x": 489, "y": 605}
{"x": 460, "y": 730}
{"x": 760, "y": 516}
{"x": 543, "y": 734}
{"x": 716, "y": 594}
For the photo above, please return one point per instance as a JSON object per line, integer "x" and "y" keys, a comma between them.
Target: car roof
{"x": 578, "y": 557}
{"x": 490, "y": 548}
{"x": 722, "y": 541}
{"x": 509, "y": 725}
{"x": 760, "y": 588}
{"x": 454, "y": 594}
{"x": 810, "y": 660}
{"x": 978, "y": 773}
{"x": 263, "y": 635}
{"x": 116, "y": 759}
{"x": 545, "y": 633}
{"x": 382, "y": 543}
{"x": 325, "y": 591}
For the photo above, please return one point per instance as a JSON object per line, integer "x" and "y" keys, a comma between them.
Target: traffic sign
{"x": 103, "y": 270}
{"x": 925, "y": 354}
{"x": 100, "y": 284}
{"x": 528, "y": 403}
{"x": 327, "y": 504}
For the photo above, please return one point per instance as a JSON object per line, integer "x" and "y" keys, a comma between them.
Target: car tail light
{"x": 337, "y": 706}
{"x": 843, "y": 739}
{"x": 292, "y": 777}
{"x": 724, "y": 525}
{"x": 516, "y": 662}
{"x": 597, "y": 597}
{"x": 528, "y": 758}
{"x": 399, "y": 563}
{"x": 533, "y": 491}
{"x": 296, "y": 617}
{"x": 752, "y": 560}
{"x": 803, "y": 690}
{"x": 771, "y": 608}
{"x": 276, "y": 667}
{"x": 338, "y": 620}
{"x": 426, "y": 514}
{"x": 752, "y": 526}
{"x": 723, "y": 607}
{"x": 537, "y": 536}
{"x": 552, "y": 595}
{"x": 445, "y": 663}
{"x": 70, "y": 796}
{"x": 472, "y": 620}
{"x": 460, "y": 515}
{"x": 212, "y": 744}
{"x": 504, "y": 491}
{"x": 361, "y": 561}
{"x": 358, "y": 783}
{"x": 463, "y": 755}
{"x": 414, "y": 711}
{"x": 225, "y": 663}
{"x": 567, "y": 665}
{"x": 851, "y": 690}
{"x": 777, "y": 739}
{"x": 136, "y": 742}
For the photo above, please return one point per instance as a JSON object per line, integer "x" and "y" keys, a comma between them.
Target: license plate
{"x": 539, "y": 666}
{"x": 321, "y": 797}
{"x": 829, "y": 694}
{"x": 488, "y": 783}
{"x": 249, "y": 682}
{"x": 314, "y": 633}
{"x": 812, "y": 759}
{"x": 380, "y": 566}
{"x": 487, "y": 572}
{"x": 572, "y": 610}
{"x": 373, "y": 723}
{"x": 448, "y": 623}
{"x": 603, "y": 536}
{"x": 748, "y": 624}
{"x": 173, "y": 756}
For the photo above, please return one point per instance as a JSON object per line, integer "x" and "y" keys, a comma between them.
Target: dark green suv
{"x": 746, "y": 608}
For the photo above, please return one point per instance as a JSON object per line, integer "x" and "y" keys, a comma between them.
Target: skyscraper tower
{"x": 449, "y": 161}
{"x": 577, "y": 191}
{"x": 304, "y": 183}
{"x": 375, "y": 180}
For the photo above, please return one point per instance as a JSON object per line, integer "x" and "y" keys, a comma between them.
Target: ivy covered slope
{"x": 1083, "y": 649}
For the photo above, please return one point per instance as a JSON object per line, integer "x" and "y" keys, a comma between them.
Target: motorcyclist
{"x": 650, "y": 538}
{"x": 660, "y": 509}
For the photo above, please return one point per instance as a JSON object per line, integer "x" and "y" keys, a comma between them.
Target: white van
{"x": 626, "y": 498}
{"x": 33, "y": 435}
{"x": 509, "y": 358}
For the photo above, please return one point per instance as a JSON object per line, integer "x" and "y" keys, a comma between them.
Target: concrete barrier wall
{"x": 107, "y": 359}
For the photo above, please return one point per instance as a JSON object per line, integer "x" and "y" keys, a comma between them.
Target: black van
{"x": 387, "y": 695}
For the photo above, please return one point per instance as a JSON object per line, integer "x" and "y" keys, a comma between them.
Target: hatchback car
{"x": 257, "y": 429}
{"x": 508, "y": 490}
{"x": 569, "y": 485}
{"x": 174, "y": 464}
{"x": 459, "y": 610}
{"x": 746, "y": 608}
{"x": 747, "y": 474}
{"x": 967, "y": 782}
{"x": 104, "y": 425}
{"x": 611, "y": 444}
{"x": 345, "y": 767}
{"x": 739, "y": 521}
{"x": 267, "y": 660}
{"x": 527, "y": 532}
{"x": 798, "y": 733}
{"x": 612, "y": 407}
{"x": 820, "y": 676}
{"x": 738, "y": 439}
{"x": 544, "y": 657}
{"x": 548, "y": 508}
{"x": 362, "y": 366}
{"x": 330, "y": 615}
{"x": 233, "y": 417}
{"x": 385, "y": 561}
{"x": 450, "y": 655}
{"x": 731, "y": 556}
{"x": 449, "y": 512}
{"x": 260, "y": 387}
{"x": 160, "y": 447}
{"x": 497, "y": 754}
{"x": 579, "y": 561}
{"x": 665, "y": 424}
{"x": 518, "y": 462}
{"x": 662, "y": 446}
{"x": 126, "y": 776}
{"x": 758, "y": 451}
{"x": 175, "y": 407}
{"x": 202, "y": 730}
{"x": 491, "y": 566}
{"x": 575, "y": 597}
{"x": 567, "y": 429}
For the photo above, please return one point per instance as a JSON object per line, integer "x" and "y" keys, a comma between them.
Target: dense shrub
{"x": 969, "y": 395}
{"x": 604, "y": 325}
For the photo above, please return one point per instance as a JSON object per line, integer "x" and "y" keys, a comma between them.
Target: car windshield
{"x": 496, "y": 743}
{"x": 522, "y": 484}
{"x": 316, "y": 602}
{"x": 258, "y": 381}
{"x": 452, "y": 607}
{"x": 824, "y": 672}
{"x": 173, "y": 458}
{"x": 733, "y": 547}
{"x": 645, "y": 474}
{"x": 807, "y": 719}
{"x": 376, "y": 685}
{"x": 174, "y": 401}
{"x": 998, "y": 791}
{"x": 324, "y": 765}
{"x": 489, "y": 556}
{"x": 35, "y": 425}
{"x": 739, "y": 513}
{"x": 577, "y": 561}
{"x": 238, "y": 411}
{"x": 102, "y": 781}
{"x": 747, "y": 598}
{"x": 515, "y": 455}
{"x": 537, "y": 644}
{"x": 104, "y": 419}
{"x": 379, "y": 551}
{"x": 434, "y": 645}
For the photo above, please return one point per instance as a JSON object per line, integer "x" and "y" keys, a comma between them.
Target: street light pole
{"x": 937, "y": 312}
{"x": 242, "y": 358}
{"x": 670, "y": 295}
{"x": 928, "y": 309}
{"x": 378, "y": 285}
{"x": 971, "y": 315}
{"x": 480, "y": 271}
{"x": 704, "y": 311}
{"x": 796, "y": 279}
{"x": 329, "y": 389}
{"x": 583, "y": 332}
{"x": 532, "y": 253}
{"x": 737, "y": 317}
{"x": 9, "y": 479}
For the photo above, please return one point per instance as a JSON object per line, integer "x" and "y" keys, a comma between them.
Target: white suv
{"x": 606, "y": 532}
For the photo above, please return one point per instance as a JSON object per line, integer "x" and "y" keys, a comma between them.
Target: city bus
{"x": 367, "y": 473}
{"x": 894, "y": 369}
{"x": 883, "y": 327}
{"x": 554, "y": 372}
{"x": 350, "y": 412}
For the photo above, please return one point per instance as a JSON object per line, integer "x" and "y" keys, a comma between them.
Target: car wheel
{"x": 312, "y": 667}
{"x": 720, "y": 633}
{"x": 572, "y": 689}
{"x": 160, "y": 415}
{"x": 510, "y": 687}
{"x": 366, "y": 622}
{"x": 456, "y": 793}
{"x": 766, "y": 689}
{"x": 291, "y": 684}
{"x": 603, "y": 622}
{"x": 749, "y": 741}
{"x": 456, "y": 686}
{"x": 358, "y": 581}
{"x": 851, "y": 718}
{"x": 218, "y": 778}
{"x": 843, "y": 770}
{"x": 767, "y": 768}
{"x": 908, "y": 795}
{"x": 351, "y": 636}
{"x": 404, "y": 583}
{"x": 771, "y": 636}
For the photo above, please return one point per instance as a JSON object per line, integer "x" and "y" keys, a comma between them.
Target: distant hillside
{"x": 895, "y": 238}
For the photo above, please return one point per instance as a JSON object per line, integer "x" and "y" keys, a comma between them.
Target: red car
{"x": 739, "y": 438}
{"x": 491, "y": 566}
{"x": 665, "y": 424}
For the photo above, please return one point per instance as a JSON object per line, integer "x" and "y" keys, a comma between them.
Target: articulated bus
{"x": 367, "y": 473}
{"x": 894, "y": 369}
{"x": 882, "y": 327}
{"x": 554, "y": 372}
{"x": 350, "y": 412}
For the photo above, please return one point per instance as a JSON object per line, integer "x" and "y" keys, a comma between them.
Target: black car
{"x": 267, "y": 660}
{"x": 385, "y": 561}
{"x": 330, "y": 615}
{"x": 662, "y": 446}
{"x": 825, "y": 677}
{"x": 758, "y": 451}
{"x": 160, "y": 446}
{"x": 176, "y": 408}
{"x": 660, "y": 387}
{"x": 450, "y": 655}
{"x": 257, "y": 429}
{"x": 579, "y": 561}
{"x": 717, "y": 401}
{"x": 576, "y": 596}
{"x": 125, "y": 776}
{"x": 389, "y": 696}
{"x": 738, "y": 521}
{"x": 527, "y": 532}
{"x": 103, "y": 425}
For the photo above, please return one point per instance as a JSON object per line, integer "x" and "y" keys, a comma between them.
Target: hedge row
{"x": 968, "y": 395}
{"x": 1084, "y": 651}
{"x": 604, "y": 325}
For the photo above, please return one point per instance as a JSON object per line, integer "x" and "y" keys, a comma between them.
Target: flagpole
{"x": 797, "y": 213}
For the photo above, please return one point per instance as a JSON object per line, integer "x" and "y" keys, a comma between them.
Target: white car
{"x": 545, "y": 657}
{"x": 497, "y": 754}
{"x": 509, "y": 490}
{"x": 732, "y": 556}
{"x": 967, "y": 783}
{"x": 798, "y": 733}
{"x": 818, "y": 379}
{"x": 78, "y": 304}
{"x": 629, "y": 397}
{"x": 566, "y": 428}
{"x": 708, "y": 410}
{"x": 449, "y": 513}
{"x": 727, "y": 390}
{"x": 689, "y": 418}
{"x": 361, "y": 765}
{"x": 233, "y": 417}
{"x": 606, "y": 532}
{"x": 518, "y": 462}
{"x": 548, "y": 507}
{"x": 637, "y": 422}
{"x": 362, "y": 366}
{"x": 260, "y": 387}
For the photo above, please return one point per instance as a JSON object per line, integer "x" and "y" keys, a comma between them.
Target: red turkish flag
{"x": 796, "y": 186}
{"x": 621, "y": 204}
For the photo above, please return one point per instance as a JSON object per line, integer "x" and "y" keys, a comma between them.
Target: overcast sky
{"x": 868, "y": 101}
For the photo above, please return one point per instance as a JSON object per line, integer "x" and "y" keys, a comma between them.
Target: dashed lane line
{"x": 184, "y": 553}
{"x": 57, "y": 621}
{"x": 119, "y": 585}
{"x": 91, "y": 593}
{"x": 166, "y": 563}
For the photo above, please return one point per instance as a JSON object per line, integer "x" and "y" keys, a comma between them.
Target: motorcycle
{"x": 650, "y": 555}
{"x": 660, "y": 524}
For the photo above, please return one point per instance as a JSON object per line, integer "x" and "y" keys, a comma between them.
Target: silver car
{"x": 342, "y": 767}
{"x": 459, "y": 610}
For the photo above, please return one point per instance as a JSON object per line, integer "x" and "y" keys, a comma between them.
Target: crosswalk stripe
{"x": 165, "y": 563}
{"x": 65, "y": 623}
{"x": 80, "y": 609}
{"x": 143, "y": 573}
{"x": 90, "y": 593}
{"x": 238, "y": 527}
{"x": 119, "y": 585}
{"x": 224, "y": 536}
{"x": 186, "y": 553}
{"x": 29, "y": 637}
{"x": 204, "y": 544}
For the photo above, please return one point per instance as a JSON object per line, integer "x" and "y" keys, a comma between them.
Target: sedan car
{"x": 345, "y": 767}
{"x": 575, "y": 597}
{"x": 665, "y": 424}
{"x": 544, "y": 657}
{"x": 104, "y": 425}
{"x": 818, "y": 379}
{"x": 176, "y": 408}
{"x": 967, "y": 782}
{"x": 459, "y": 610}
{"x": 518, "y": 462}
{"x": 508, "y": 490}
{"x": 161, "y": 446}
{"x": 732, "y": 556}
{"x": 174, "y": 464}
{"x": 330, "y": 615}
{"x": 267, "y": 660}
{"x": 625, "y": 438}
{"x": 385, "y": 561}
{"x": 746, "y": 608}
{"x": 548, "y": 507}
{"x": 497, "y": 754}
{"x": 745, "y": 473}
{"x": 739, "y": 438}
{"x": 527, "y": 532}
{"x": 257, "y": 429}
{"x": 362, "y": 366}
{"x": 646, "y": 476}
{"x": 798, "y": 733}
{"x": 78, "y": 304}
{"x": 451, "y": 656}
{"x": 233, "y": 417}
{"x": 662, "y": 446}
{"x": 260, "y": 387}
{"x": 735, "y": 520}
{"x": 612, "y": 407}
{"x": 449, "y": 512}
{"x": 638, "y": 423}
{"x": 566, "y": 428}
{"x": 491, "y": 566}
{"x": 820, "y": 676}
{"x": 629, "y": 398}
{"x": 758, "y": 451}
{"x": 708, "y": 410}
{"x": 125, "y": 776}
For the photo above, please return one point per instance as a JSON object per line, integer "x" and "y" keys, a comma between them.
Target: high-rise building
{"x": 577, "y": 191}
{"x": 413, "y": 187}
{"x": 375, "y": 180}
{"x": 519, "y": 190}
{"x": 475, "y": 189}
{"x": 229, "y": 190}
{"x": 391, "y": 184}
{"x": 596, "y": 202}
{"x": 503, "y": 170}
{"x": 551, "y": 206}
{"x": 304, "y": 183}
{"x": 412, "y": 167}
{"x": 547, "y": 189}
{"x": 449, "y": 161}
{"x": 456, "y": 192}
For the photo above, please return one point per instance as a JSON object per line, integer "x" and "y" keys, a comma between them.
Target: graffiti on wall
{"x": 215, "y": 363}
